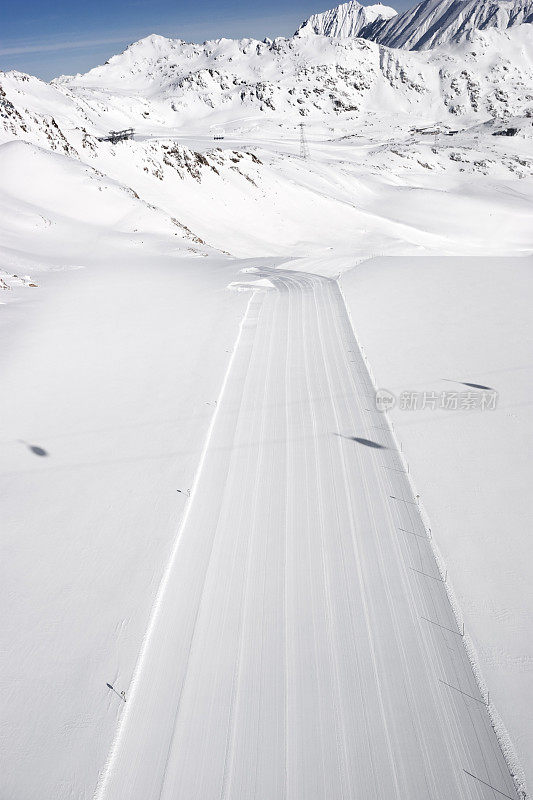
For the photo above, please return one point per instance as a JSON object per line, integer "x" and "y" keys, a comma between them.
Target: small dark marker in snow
{"x": 122, "y": 694}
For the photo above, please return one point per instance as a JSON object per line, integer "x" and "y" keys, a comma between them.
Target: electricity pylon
{"x": 304, "y": 147}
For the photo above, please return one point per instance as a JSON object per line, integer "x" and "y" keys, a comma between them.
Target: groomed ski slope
{"x": 304, "y": 645}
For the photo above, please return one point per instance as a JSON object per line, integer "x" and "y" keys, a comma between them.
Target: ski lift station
{"x": 117, "y": 136}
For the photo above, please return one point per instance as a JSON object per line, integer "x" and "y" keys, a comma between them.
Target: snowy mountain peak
{"x": 436, "y": 22}
{"x": 426, "y": 25}
{"x": 348, "y": 19}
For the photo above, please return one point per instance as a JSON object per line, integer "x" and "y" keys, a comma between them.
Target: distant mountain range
{"x": 428, "y": 24}
{"x": 344, "y": 65}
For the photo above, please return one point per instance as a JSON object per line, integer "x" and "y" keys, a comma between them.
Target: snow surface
{"x": 117, "y": 331}
{"x": 107, "y": 396}
{"x": 446, "y": 325}
{"x": 304, "y": 645}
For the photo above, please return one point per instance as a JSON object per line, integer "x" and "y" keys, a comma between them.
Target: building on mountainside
{"x": 117, "y": 136}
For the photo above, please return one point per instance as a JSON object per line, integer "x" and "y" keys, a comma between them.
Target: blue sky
{"x": 53, "y": 37}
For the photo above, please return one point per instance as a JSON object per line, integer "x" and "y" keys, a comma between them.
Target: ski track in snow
{"x": 303, "y": 644}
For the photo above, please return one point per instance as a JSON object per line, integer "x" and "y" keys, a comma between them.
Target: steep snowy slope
{"x": 426, "y": 25}
{"x": 348, "y": 19}
{"x": 56, "y": 212}
{"x": 435, "y": 22}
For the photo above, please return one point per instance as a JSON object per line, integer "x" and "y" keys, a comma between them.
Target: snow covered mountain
{"x": 160, "y": 84}
{"x": 426, "y": 25}
{"x": 436, "y": 22}
{"x": 348, "y": 19}
{"x": 175, "y": 95}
